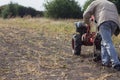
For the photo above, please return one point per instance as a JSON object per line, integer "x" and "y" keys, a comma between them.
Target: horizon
{"x": 35, "y": 4}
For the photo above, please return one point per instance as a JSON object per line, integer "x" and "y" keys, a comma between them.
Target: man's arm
{"x": 89, "y": 12}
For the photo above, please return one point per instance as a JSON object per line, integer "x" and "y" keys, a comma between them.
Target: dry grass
{"x": 40, "y": 49}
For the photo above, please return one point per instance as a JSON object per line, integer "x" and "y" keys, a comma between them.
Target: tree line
{"x": 53, "y": 9}
{"x": 14, "y": 10}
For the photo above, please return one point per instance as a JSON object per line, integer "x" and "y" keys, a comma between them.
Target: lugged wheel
{"x": 97, "y": 48}
{"x": 76, "y": 44}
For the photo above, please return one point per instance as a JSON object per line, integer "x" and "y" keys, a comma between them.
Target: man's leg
{"x": 107, "y": 45}
{"x": 104, "y": 55}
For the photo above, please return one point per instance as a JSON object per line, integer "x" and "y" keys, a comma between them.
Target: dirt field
{"x": 40, "y": 49}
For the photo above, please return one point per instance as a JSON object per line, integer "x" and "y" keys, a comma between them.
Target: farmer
{"x": 107, "y": 18}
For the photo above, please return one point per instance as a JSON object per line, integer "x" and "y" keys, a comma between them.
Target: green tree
{"x": 117, "y": 3}
{"x": 9, "y": 11}
{"x": 87, "y": 3}
{"x": 63, "y": 9}
{"x": 13, "y": 10}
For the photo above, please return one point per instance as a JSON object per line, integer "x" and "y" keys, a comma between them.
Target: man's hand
{"x": 87, "y": 24}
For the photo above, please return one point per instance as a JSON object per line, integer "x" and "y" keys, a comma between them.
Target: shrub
{"x": 63, "y": 9}
{"x": 9, "y": 11}
{"x": 13, "y": 10}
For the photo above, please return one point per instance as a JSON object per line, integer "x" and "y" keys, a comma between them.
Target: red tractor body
{"x": 85, "y": 37}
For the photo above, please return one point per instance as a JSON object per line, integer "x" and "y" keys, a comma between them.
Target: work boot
{"x": 117, "y": 67}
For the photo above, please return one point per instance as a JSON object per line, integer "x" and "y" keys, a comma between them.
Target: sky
{"x": 36, "y": 4}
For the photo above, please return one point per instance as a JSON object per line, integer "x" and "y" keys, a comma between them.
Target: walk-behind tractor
{"x": 84, "y": 36}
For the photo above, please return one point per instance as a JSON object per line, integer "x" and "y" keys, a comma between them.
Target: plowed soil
{"x": 32, "y": 54}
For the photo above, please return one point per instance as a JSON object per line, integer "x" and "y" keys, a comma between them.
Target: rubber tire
{"x": 97, "y": 54}
{"x": 97, "y": 48}
{"x": 76, "y": 44}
